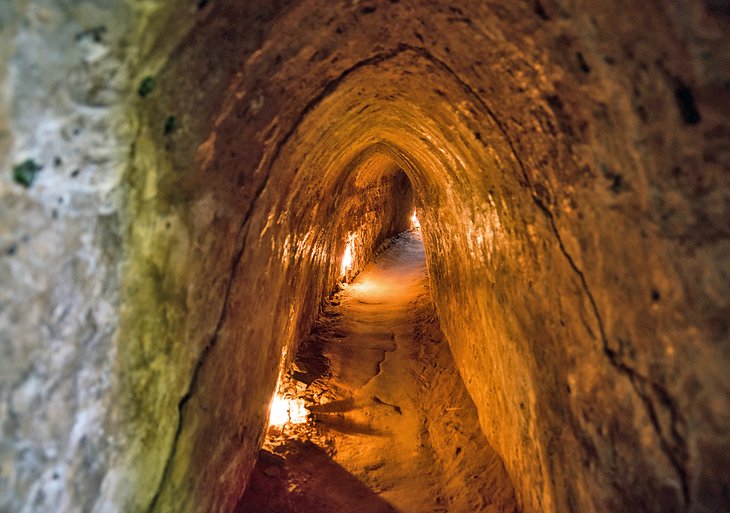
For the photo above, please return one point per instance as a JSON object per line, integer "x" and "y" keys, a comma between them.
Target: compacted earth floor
{"x": 390, "y": 426}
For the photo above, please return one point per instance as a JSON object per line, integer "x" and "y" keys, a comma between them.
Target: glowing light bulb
{"x": 287, "y": 411}
{"x": 415, "y": 223}
{"x": 348, "y": 256}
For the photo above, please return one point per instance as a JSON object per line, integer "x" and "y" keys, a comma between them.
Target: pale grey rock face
{"x": 570, "y": 165}
{"x": 63, "y": 82}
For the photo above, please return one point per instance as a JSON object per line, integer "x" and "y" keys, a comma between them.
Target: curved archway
{"x": 468, "y": 182}
{"x": 447, "y": 158}
{"x": 506, "y": 162}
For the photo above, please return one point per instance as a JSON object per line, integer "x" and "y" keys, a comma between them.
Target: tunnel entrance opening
{"x": 389, "y": 425}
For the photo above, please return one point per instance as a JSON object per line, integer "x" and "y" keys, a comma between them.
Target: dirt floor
{"x": 390, "y": 425}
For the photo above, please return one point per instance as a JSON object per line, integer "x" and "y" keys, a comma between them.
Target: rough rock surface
{"x": 569, "y": 161}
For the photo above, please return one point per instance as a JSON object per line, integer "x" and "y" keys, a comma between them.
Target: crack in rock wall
{"x": 202, "y": 169}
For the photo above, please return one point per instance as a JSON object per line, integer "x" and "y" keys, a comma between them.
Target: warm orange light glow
{"x": 287, "y": 411}
{"x": 415, "y": 223}
{"x": 348, "y": 256}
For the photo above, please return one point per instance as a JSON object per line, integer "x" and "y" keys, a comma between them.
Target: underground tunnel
{"x": 363, "y": 256}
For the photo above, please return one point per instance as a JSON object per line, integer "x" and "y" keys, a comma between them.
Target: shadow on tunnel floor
{"x": 304, "y": 479}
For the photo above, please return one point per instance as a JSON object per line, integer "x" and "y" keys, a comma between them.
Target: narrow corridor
{"x": 390, "y": 425}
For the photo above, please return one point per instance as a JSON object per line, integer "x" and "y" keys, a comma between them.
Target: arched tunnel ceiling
{"x": 566, "y": 161}
{"x": 503, "y": 150}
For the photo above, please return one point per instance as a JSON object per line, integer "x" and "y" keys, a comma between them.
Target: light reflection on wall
{"x": 287, "y": 411}
{"x": 348, "y": 257}
{"x": 415, "y": 223}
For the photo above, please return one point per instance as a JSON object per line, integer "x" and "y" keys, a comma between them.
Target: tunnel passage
{"x": 534, "y": 251}
{"x": 205, "y": 165}
{"x": 509, "y": 270}
{"x": 372, "y": 414}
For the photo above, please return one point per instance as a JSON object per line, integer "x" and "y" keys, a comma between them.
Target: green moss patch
{"x": 170, "y": 124}
{"x": 25, "y": 172}
{"x": 146, "y": 86}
